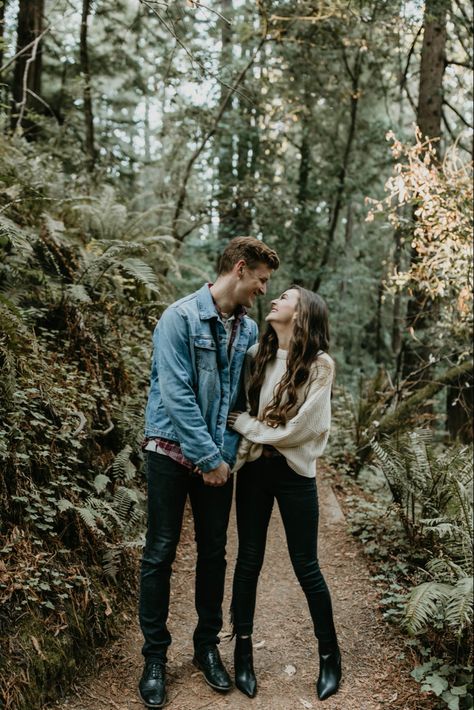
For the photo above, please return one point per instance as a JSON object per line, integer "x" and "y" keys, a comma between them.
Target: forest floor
{"x": 376, "y": 672}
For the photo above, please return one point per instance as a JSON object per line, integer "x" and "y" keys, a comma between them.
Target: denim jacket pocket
{"x": 206, "y": 355}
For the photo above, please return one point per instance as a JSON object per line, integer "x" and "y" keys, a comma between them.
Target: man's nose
{"x": 263, "y": 289}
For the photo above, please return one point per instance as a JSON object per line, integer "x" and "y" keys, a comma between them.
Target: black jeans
{"x": 169, "y": 483}
{"x": 258, "y": 484}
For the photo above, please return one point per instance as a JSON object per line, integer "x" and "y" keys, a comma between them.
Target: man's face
{"x": 252, "y": 283}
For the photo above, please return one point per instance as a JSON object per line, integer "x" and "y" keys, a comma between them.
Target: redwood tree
{"x": 26, "y": 88}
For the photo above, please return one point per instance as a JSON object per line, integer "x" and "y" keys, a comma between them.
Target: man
{"x": 199, "y": 349}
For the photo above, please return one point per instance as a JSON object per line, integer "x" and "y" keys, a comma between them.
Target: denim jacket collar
{"x": 208, "y": 308}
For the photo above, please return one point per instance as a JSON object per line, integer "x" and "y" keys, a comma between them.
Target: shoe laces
{"x": 213, "y": 656}
{"x": 156, "y": 670}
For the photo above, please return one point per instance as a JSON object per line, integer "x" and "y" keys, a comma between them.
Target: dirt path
{"x": 374, "y": 676}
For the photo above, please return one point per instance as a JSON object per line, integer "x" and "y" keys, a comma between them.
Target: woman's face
{"x": 283, "y": 310}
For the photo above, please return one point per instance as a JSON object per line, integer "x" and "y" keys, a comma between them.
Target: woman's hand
{"x": 231, "y": 419}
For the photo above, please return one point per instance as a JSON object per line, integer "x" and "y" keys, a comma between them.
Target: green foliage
{"x": 433, "y": 491}
{"x": 76, "y": 309}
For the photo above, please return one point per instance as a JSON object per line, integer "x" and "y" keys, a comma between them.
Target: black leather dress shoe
{"x": 245, "y": 679}
{"x": 209, "y": 662}
{"x": 152, "y": 686}
{"x": 329, "y": 674}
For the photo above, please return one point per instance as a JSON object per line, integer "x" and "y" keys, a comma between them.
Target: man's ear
{"x": 239, "y": 267}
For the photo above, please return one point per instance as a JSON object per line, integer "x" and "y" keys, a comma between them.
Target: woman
{"x": 288, "y": 384}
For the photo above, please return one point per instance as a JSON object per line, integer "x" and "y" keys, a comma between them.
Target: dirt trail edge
{"x": 375, "y": 676}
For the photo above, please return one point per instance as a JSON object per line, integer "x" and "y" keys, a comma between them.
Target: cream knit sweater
{"x": 304, "y": 437}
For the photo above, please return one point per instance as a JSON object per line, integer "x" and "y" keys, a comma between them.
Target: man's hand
{"x": 231, "y": 419}
{"x": 217, "y": 476}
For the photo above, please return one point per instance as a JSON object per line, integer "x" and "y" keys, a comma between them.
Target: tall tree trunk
{"x": 347, "y": 239}
{"x": 301, "y": 221}
{"x": 146, "y": 130}
{"x": 225, "y": 141}
{"x": 355, "y": 74}
{"x": 459, "y": 408}
{"x": 397, "y": 300}
{"x": 87, "y": 95}
{"x": 28, "y": 65}
{"x": 2, "y": 28}
{"x": 378, "y": 323}
{"x": 429, "y": 115}
{"x": 433, "y": 62}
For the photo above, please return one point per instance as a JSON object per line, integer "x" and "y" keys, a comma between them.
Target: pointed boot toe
{"x": 329, "y": 674}
{"x": 245, "y": 679}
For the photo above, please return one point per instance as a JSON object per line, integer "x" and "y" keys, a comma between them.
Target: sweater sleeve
{"x": 311, "y": 421}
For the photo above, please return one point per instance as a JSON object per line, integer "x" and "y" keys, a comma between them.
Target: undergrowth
{"x": 411, "y": 509}
{"x": 79, "y": 295}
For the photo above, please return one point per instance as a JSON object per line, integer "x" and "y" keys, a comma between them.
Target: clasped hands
{"x": 220, "y": 475}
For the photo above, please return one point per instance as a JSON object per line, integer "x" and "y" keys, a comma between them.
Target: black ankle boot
{"x": 329, "y": 674}
{"x": 245, "y": 679}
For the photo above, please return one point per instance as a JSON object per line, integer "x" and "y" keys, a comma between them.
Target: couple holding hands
{"x": 220, "y": 402}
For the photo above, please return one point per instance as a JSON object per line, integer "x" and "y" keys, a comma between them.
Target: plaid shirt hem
{"x": 168, "y": 448}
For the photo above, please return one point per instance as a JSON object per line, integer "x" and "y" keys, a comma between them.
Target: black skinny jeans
{"x": 169, "y": 483}
{"x": 258, "y": 484}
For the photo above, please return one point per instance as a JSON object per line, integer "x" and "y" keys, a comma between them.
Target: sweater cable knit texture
{"x": 304, "y": 436}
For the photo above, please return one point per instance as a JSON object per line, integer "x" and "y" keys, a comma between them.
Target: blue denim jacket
{"x": 193, "y": 386}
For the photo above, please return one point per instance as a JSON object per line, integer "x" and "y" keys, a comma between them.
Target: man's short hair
{"x": 251, "y": 250}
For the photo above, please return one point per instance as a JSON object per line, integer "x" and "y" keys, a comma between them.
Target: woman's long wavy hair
{"x": 310, "y": 337}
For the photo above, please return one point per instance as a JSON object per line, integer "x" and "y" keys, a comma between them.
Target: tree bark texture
{"x": 397, "y": 318}
{"x": 419, "y": 308}
{"x": 87, "y": 94}
{"x": 26, "y": 85}
{"x": 2, "y": 27}
{"x": 460, "y": 407}
{"x": 301, "y": 220}
{"x": 433, "y": 61}
{"x": 225, "y": 140}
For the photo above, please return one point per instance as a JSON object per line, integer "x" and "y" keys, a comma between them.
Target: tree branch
{"x": 458, "y": 114}
{"x": 400, "y": 418}
{"x": 187, "y": 173}
{"x": 25, "y": 49}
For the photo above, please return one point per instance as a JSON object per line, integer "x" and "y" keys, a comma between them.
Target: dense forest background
{"x": 137, "y": 137}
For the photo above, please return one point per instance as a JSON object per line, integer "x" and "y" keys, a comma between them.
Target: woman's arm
{"x": 311, "y": 421}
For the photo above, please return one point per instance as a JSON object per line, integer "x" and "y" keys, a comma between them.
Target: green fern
{"x": 122, "y": 467}
{"x": 89, "y": 518}
{"x": 19, "y": 238}
{"x": 127, "y": 506}
{"x": 141, "y": 272}
{"x": 424, "y": 602}
{"x": 77, "y": 293}
{"x": 435, "y": 490}
{"x": 111, "y": 562}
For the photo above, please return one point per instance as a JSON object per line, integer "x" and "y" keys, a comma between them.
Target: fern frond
{"x": 110, "y": 562}
{"x": 18, "y": 238}
{"x": 125, "y": 503}
{"x": 417, "y": 455}
{"x": 422, "y": 604}
{"x": 440, "y": 526}
{"x": 459, "y": 610}
{"x": 89, "y": 518}
{"x": 122, "y": 467}
{"x": 141, "y": 272}
{"x": 444, "y": 567}
{"x": 78, "y": 294}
